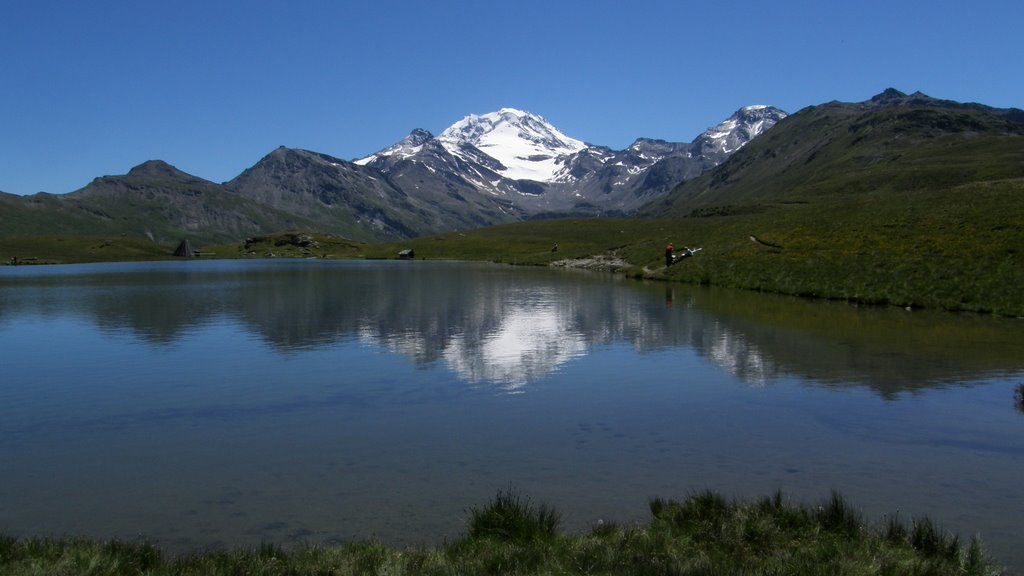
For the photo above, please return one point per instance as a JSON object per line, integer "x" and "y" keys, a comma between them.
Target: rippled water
{"x": 203, "y": 404}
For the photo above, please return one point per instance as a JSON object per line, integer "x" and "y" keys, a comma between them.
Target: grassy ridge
{"x": 703, "y": 534}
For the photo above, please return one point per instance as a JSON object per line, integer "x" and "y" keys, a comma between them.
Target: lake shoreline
{"x": 795, "y": 252}
{"x": 705, "y": 532}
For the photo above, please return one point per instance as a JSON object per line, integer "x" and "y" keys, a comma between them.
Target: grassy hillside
{"x": 71, "y": 249}
{"x": 153, "y": 201}
{"x": 44, "y": 214}
{"x": 901, "y": 200}
{"x": 956, "y": 249}
{"x": 892, "y": 144}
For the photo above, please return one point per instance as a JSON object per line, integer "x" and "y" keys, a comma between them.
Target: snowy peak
{"x": 484, "y": 130}
{"x": 526, "y": 145}
{"x": 735, "y": 131}
{"x": 417, "y": 137}
{"x": 409, "y": 146}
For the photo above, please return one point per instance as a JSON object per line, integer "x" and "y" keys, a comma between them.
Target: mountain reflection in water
{"x": 510, "y": 326}
{"x": 214, "y": 403}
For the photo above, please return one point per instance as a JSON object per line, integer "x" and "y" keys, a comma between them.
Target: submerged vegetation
{"x": 702, "y": 534}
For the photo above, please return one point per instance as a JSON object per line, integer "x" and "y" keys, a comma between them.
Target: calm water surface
{"x": 205, "y": 404}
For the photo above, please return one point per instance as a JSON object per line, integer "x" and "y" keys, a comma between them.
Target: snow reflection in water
{"x": 208, "y": 403}
{"x": 530, "y": 341}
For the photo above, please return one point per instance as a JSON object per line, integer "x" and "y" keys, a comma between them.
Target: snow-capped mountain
{"x": 509, "y": 144}
{"x": 526, "y": 146}
{"x": 524, "y": 160}
{"x": 736, "y": 130}
{"x": 409, "y": 146}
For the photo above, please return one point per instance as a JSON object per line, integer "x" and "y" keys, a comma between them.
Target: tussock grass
{"x": 702, "y": 534}
{"x": 514, "y": 518}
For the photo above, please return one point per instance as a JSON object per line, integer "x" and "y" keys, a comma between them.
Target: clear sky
{"x": 94, "y": 88}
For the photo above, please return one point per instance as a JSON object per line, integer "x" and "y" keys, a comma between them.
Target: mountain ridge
{"x": 849, "y": 148}
{"x": 568, "y": 176}
{"x": 369, "y": 204}
{"x": 420, "y": 186}
{"x": 154, "y": 200}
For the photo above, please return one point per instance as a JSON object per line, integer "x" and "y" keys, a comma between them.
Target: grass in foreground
{"x": 703, "y": 534}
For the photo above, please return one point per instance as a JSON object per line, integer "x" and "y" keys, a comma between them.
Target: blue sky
{"x": 93, "y": 88}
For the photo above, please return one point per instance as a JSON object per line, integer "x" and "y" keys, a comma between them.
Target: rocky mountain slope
{"x": 410, "y": 200}
{"x": 521, "y": 158}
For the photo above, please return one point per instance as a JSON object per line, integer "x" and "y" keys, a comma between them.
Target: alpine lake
{"x": 206, "y": 404}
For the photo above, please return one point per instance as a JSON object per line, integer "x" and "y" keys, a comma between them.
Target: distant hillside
{"x": 153, "y": 200}
{"x": 891, "y": 143}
